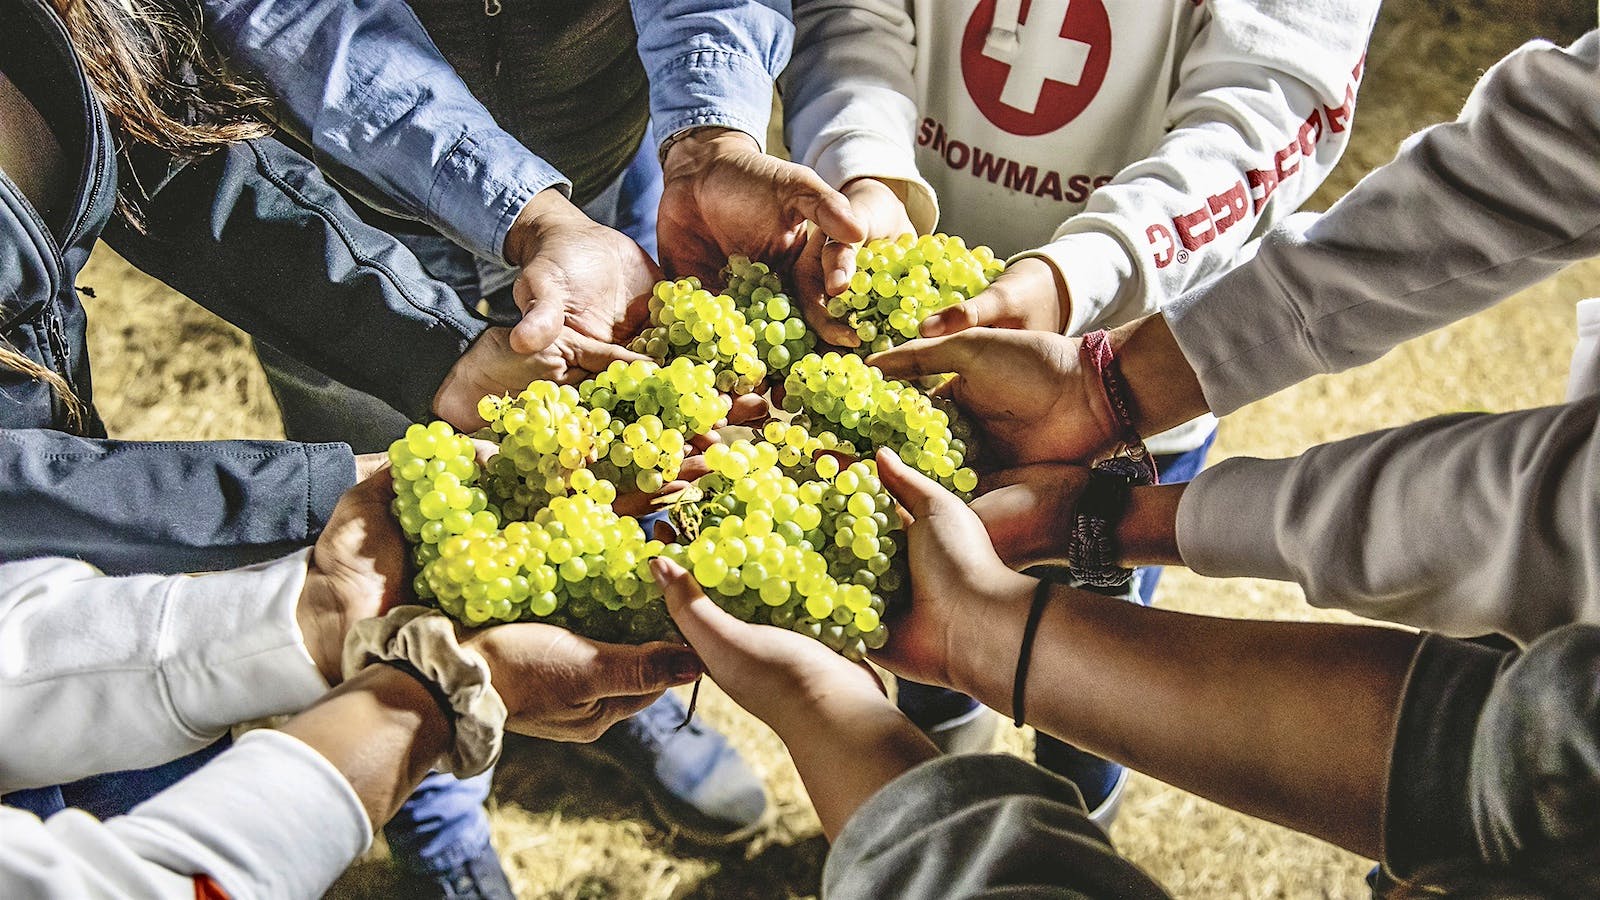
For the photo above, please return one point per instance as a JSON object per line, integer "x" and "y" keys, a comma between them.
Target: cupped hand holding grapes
{"x": 956, "y": 580}
{"x": 562, "y": 687}
{"x": 825, "y": 265}
{"x": 723, "y": 196}
{"x": 845, "y": 737}
{"x": 1027, "y": 390}
{"x": 1029, "y": 294}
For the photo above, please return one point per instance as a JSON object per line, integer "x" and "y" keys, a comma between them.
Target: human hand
{"x": 721, "y": 196}
{"x": 825, "y": 265}
{"x": 1029, "y": 511}
{"x": 781, "y": 677}
{"x": 357, "y": 569}
{"x": 562, "y": 687}
{"x": 583, "y": 287}
{"x": 492, "y": 365}
{"x": 956, "y": 580}
{"x": 1029, "y": 294}
{"x": 1027, "y": 390}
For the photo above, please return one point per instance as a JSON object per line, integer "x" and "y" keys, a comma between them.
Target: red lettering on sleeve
{"x": 1284, "y": 155}
{"x": 1190, "y": 230}
{"x": 1310, "y": 133}
{"x": 1230, "y": 207}
{"x": 1161, "y": 239}
{"x": 1262, "y": 183}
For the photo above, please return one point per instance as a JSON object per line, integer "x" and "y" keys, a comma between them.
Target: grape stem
{"x": 694, "y": 700}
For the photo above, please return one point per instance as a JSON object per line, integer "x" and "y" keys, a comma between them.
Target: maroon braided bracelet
{"x": 1099, "y": 356}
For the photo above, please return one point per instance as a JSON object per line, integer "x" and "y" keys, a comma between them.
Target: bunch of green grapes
{"x": 545, "y": 434}
{"x": 813, "y": 556}
{"x": 781, "y": 334}
{"x": 844, "y": 395}
{"x": 687, "y": 320}
{"x": 646, "y": 414}
{"x": 898, "y": 283}
{"x": 798, "y": 449}
{"x": 436, "y": 492}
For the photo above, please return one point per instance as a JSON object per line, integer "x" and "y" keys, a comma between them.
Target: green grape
{"x": 781, "y": 335}
{"x": 688, "y": 321}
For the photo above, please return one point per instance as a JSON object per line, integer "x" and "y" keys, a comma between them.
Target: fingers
{"x": 484, "y": 450}
{"x": 928, "y": 356}
{"x": 706, "y": 626}
{"x": 988, "y": 308}
{"x": 915, "y": 491}
{"x": 813, "y": 292}
{"x": 838, "y": 264}
{"x": 624, "y": 670}
{"x": 615, "y": 709}
{"x": 748, "y": 409}
{"x": 811, "y": 198}
{"x": 541, "y": 322}
{"x": 590, "y": 355}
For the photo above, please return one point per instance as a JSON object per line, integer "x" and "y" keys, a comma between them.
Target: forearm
{"x": 162, "y": 507}
{"x": 167, "y": 664}
{"x": 847, "y": 756}
{"x": 1236, "y": 711}
{"x": 366, "y": 87}
{"x": 382, "y": 730}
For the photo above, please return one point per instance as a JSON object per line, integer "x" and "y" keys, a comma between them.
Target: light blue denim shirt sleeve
{"x": 363, "y": 83}
{"x": 713, "y": 62}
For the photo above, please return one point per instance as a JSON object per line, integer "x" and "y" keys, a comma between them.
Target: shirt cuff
{"x": 1096, "y": 268}
{"x": 863, "y": 154}
{"x": 231, "y": 647}
{"x": 711, "y": 87}
{"x": 330, "y": 471}
{"x": 1227, "y": 520}
{"x": 1427, "y": 816}
{"x": 481, "y": 186}
{"x": 270, "y": 817}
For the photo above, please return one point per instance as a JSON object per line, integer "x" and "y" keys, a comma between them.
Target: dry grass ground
{"x": 165, "y": 369}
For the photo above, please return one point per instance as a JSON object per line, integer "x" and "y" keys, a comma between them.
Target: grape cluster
{"x": 900, "y": 282}
{"x": 853, "y": 399}
{"x": 781, "y": 333}
{"x": 817, "y": 556}
{"x": 788, "y": 528}
{"x": 688, "y": 320}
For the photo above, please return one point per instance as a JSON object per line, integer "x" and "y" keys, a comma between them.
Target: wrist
{"x": 320, "y": 614}
{"x": 687, "y": 151}
{"x": 1164, "y": 391}
{"x": 1147, "y": 533}
{"x": 548, "y": 209}
{"x": 983, "y": 652}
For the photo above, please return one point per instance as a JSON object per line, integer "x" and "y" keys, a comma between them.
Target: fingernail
{"x": 932, "y": 326}
{"x": 664, "y": 569}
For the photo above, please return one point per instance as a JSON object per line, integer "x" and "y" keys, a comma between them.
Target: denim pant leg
{"x": 113, "y": 793}
{"x": 441, "y": 825}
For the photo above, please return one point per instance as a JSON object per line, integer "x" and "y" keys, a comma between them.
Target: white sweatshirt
{"x": 1137, "y": 144}
{"x": 1464, "y": 524}
{"x": 102, "y": 674}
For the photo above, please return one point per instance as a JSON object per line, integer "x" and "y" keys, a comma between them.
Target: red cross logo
{"x": 1037, "y": 64}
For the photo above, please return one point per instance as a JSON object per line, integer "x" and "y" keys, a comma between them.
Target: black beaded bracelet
{"x": 1019, "y": 684}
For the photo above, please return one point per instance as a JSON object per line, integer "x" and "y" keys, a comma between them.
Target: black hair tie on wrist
{"x": 431, "y": 686}
{"x": 1019, "y": 686}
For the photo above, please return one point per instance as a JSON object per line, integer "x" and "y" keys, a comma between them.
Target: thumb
{"x": 710, "y": 629}
{"x": 811, "y": 198}
{"x": 927, "y": 356}
{"x": 915, "y": 491}
{"x": 625, "y": 670}
{"x": 593, "y": 355}
{"x": 542, "y": 318}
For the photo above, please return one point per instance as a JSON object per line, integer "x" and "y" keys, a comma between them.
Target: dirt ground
{"x": 166, "y": 370}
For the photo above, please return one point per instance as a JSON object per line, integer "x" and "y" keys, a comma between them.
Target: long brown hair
{"x": 163, "y": 85}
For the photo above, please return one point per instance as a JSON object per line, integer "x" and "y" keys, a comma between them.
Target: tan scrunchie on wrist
{"x": 425, "y": 639}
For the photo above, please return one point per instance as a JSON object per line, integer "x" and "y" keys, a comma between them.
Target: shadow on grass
{"x": 605, "y": 815}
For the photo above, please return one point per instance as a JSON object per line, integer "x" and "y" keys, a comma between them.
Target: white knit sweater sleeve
{"x": 100, "y": 674}
{"x": 270, "y": 818}
{"x": 1260, "y": 115}
{"x": 849, "y": 97}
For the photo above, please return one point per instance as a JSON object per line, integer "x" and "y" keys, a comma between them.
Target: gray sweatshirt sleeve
{"x": 1464, "y": 524}
{"x": 978, "y": 826}
{"x": 1467, "y": 214}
